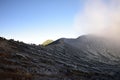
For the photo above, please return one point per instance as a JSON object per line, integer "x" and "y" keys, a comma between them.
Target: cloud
{"x": 99, "y": 17}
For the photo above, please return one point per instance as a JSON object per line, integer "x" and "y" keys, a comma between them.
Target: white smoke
{"x": 100, "y": 17}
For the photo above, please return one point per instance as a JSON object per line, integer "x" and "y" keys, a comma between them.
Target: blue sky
{"x": 34, "y": 21}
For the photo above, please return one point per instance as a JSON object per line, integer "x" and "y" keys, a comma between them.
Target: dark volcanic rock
{"x": 85, "y": 58}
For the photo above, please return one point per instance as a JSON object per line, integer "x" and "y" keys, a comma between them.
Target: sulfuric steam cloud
{"x": 100, "y": 17}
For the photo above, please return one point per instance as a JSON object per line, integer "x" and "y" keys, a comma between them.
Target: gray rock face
{"x": 85, "y": 58}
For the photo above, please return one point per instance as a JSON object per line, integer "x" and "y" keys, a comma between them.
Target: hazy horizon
{"x": 34, "y": 21}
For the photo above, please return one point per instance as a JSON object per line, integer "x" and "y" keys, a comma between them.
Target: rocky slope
{"x": 85, "y": 58}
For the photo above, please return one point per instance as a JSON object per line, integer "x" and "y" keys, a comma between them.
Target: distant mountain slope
{"x": 94, "y": 47}
{"x": 47, "y": 42}
{"x": 94, "y": 53}
{"x": 85, "y": 58}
